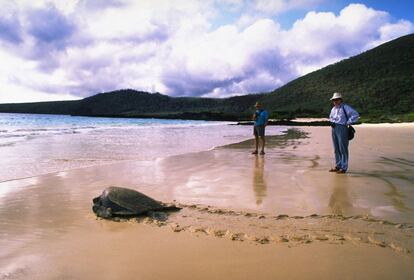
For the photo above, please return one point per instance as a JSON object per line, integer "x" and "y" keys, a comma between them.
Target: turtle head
{"x": 102, "y": 211}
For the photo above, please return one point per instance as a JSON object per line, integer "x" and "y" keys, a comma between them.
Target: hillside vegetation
{"x": 379, "y": 83}
{"x": 137, "y": 104}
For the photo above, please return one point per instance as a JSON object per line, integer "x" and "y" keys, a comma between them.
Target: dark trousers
{"x": 340, "y": 143}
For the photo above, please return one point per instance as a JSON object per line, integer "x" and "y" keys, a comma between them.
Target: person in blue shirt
{"x": 260, "y": 118}
{"x": 341, "y": 116}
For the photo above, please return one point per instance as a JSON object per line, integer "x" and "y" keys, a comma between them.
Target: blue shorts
{"x": 259, "y": 130}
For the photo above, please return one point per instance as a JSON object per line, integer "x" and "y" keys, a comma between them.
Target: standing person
{"x": 341, "y": 116}
{"x": 260, "y": 118}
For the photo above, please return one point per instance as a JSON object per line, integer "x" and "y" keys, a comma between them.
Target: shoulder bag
{"x": 351, "y": 130}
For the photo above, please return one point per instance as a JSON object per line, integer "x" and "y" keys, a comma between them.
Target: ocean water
{"x": 32, "y": 144}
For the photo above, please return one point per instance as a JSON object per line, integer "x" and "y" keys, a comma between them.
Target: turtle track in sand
{"x": 264, "y": 228}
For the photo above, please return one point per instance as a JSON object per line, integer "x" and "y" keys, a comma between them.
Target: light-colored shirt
{"x": 338, "y": 116}
{"x": 261, "y": 117}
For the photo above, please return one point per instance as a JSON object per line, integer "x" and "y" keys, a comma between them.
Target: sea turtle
{"x": 123, "y": 202}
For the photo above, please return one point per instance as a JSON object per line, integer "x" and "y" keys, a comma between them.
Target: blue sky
{"x": 399, "y": 9}
{"x": 62, "y": 50}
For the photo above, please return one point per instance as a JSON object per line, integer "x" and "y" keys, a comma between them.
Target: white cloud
{"x": 390, "y": 31}
{"x": 323, "y": 38}
{"x": 225, "y": 58}
{"x": 172, "y": 47}
{"x": 19, "y": 80}
{"x": 17, "y": 94}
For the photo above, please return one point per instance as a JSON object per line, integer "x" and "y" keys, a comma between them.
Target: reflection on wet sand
{"x": 259, "y": 182}
{"x": 339, "y": 202}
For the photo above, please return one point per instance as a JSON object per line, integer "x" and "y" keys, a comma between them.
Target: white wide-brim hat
{"x": 336, "y": 95}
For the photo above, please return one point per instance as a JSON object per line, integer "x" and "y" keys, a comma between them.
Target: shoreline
{"x": 300, "y": 121}
{"x": 292, "y": 137}
{"x": 367, "y": 125}
{"x": 41, "y": 145}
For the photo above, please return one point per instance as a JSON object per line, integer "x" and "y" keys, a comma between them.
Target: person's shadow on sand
{"x": 259, "y": 183}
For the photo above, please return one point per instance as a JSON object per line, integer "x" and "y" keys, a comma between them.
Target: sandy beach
{"x": 281, "y": 215}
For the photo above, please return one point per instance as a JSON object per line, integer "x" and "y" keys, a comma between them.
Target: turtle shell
{"x": 125, "y": 202}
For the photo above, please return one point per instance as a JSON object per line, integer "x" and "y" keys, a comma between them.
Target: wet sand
{"x": 244, "y": 216}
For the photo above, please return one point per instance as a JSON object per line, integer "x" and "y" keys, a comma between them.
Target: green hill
{"x": 379, "y": 83}
{"x": 136, "y": 104}
{"x": 130, "y": 103}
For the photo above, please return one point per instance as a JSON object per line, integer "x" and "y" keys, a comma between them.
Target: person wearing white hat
{"x": 341, "y": 116}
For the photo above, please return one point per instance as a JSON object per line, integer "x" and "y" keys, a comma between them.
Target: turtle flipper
{"x": 170, "y": 207}
{"x": 158, "y": 215}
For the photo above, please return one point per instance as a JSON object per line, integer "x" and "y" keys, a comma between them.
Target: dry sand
{"x": 244, "y": 217}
